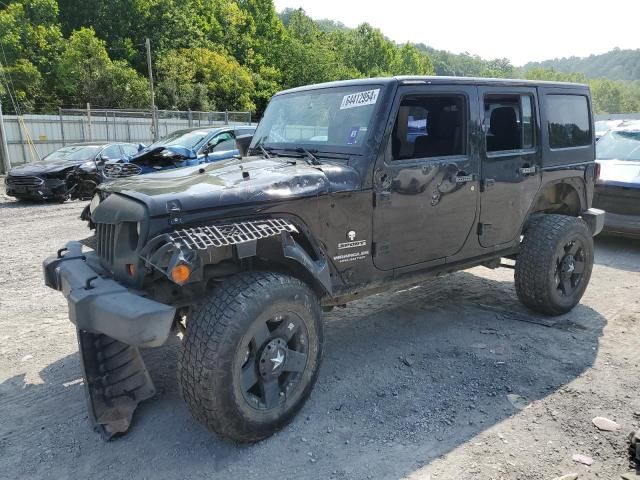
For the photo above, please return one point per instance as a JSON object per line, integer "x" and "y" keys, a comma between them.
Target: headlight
{"x": 95, "y": 201}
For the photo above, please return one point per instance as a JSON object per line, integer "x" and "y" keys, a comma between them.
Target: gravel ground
{"x": 452, "y": 379}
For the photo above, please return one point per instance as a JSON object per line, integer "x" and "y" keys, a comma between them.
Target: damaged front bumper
{"x": 98, "y": 304}
{"x": 112, "y": 321}
{"x": 45, "y": 190}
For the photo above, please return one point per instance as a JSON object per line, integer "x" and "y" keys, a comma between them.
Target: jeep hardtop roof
{"x": 437, "y": 80}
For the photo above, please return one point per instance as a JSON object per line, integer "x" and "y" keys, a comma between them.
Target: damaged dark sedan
{"x": 54, "y": 177}
{"x": 617, "y": 190}
{"x": 183, "y": 148}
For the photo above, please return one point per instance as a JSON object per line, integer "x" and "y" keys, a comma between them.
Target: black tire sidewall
{"x": 219, "y": 400}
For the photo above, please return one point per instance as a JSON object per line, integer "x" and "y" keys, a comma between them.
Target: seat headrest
{"x": 503, "y": 119}
{"x": 447, "y": 124}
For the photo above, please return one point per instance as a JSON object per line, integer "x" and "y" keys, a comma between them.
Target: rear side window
{"x": 509, "y": 122}
{"x": 568, "y": 121}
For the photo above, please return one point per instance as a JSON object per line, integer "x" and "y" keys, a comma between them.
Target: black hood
{"x": 236, "y": 182}
{"x": 44, "y": 167}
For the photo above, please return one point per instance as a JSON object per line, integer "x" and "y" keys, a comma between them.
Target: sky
{"x": 520, "y": 31}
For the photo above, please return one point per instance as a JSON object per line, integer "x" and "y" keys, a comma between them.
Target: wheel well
{"x": 561, "y": 198}
{"x": 269, "y": 256}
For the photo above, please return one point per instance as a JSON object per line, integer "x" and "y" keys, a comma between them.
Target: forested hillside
{"x": 615, "y": 65}
{"x": 210, "y": 55}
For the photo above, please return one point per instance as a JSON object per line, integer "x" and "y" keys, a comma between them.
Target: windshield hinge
{"x": 175, "y": 213}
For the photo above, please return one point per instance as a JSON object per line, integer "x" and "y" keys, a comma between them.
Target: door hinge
{"x": 379, "y": 249}
{"x": 383, "y": 198}
{"x": 488, "y": 183}
{"x": 483, "y": 228}
{"x": 175, "y": 212}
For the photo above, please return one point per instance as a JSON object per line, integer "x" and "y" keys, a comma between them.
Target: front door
{"x": 426, "y": 184}
{"x": 511, "y": 174}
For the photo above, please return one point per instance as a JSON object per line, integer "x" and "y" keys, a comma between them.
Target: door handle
{"x": 528, "y": 170}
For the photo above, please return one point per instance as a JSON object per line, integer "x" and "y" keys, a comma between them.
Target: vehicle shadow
{"x": 407, "y": 377}
{"x": 618, "y": 252}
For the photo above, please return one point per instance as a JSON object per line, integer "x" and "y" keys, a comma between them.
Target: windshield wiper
{"x": 264, "y": 151}
{"x": 308, "y": 155}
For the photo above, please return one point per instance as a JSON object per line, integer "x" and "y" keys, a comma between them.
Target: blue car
{"x": 183, "y": 148}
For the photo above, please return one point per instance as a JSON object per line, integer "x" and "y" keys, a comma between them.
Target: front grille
{"x": 201, "y": 238}
{"x": 121, "y": 170}
{"x": 105, "y": 241}
{"x": 26, "y": 181}
{"x": 622, "y": 200}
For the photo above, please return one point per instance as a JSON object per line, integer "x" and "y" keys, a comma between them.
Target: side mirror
{"x": 102, "y": 159}
{"x": 141, "y": 146}
{"x": 242, "y": 143}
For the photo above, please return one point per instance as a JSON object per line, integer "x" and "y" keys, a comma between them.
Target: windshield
{"x": 81, "y": 152}
{"x": 183, "y": 138}
{"x": 335, "y": 117}
{"x": 619, "y": 145}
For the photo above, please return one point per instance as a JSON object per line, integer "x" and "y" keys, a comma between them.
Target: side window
{"x": 129, "y": 150}
{"x": 222, "y": 143}
{"x": 429, "y": 126}
{"x": 568, "y": 120}
{"x": 112, "y": 152}
{"x": 509, "y": 122}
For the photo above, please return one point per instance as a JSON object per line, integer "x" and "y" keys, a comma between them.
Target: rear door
{"x": 511, "y": 170}
{"x": 426, "y": 183}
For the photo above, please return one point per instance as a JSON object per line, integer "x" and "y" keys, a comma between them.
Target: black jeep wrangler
{"x": 348, "y": 189}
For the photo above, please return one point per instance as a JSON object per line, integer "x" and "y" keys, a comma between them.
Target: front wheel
{"x": 251, "y": 355}
{"x": 554, "y": 265}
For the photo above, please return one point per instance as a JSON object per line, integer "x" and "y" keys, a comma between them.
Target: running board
{"x": 115, "y": 380}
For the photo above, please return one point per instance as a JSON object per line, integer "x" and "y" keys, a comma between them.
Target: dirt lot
{"x": 422, "y": 383}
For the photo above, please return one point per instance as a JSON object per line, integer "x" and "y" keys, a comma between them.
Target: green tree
{"x": 202, "y": 79}
{"x": 410, "y": 61}
{"x": 30, "y": 43}
{"x": 27, "y": 86}
{"x": 309, "y": 55}
{"x": 85, "y": 73}
{"x": 369, "y": 52}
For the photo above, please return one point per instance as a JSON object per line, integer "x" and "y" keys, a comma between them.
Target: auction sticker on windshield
{"x": 360, "y": 99}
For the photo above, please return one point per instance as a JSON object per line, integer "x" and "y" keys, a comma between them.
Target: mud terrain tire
{"x": 251, "y": 355}
{"x": 554, "y": 265}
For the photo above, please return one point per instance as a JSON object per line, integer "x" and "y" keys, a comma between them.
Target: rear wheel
{"x": 251, "y": 355}
{"x": 554, "y": 265}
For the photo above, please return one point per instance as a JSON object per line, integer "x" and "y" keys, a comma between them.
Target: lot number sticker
{"x": 360, "y": 99}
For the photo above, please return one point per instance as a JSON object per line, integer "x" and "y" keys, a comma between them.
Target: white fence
{"x": 31, "y": 137}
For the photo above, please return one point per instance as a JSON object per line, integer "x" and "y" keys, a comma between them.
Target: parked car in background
{"x": 183, "y": 148}
{"x": 617, "y": 190}
{"x": 603, "y": 126}
{"x": 52, "y": 177}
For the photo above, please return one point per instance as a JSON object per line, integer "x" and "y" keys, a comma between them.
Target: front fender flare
{"x": 319, "y": 269}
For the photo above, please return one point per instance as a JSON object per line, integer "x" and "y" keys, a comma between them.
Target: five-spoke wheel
{"x": 251, "y": 354}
